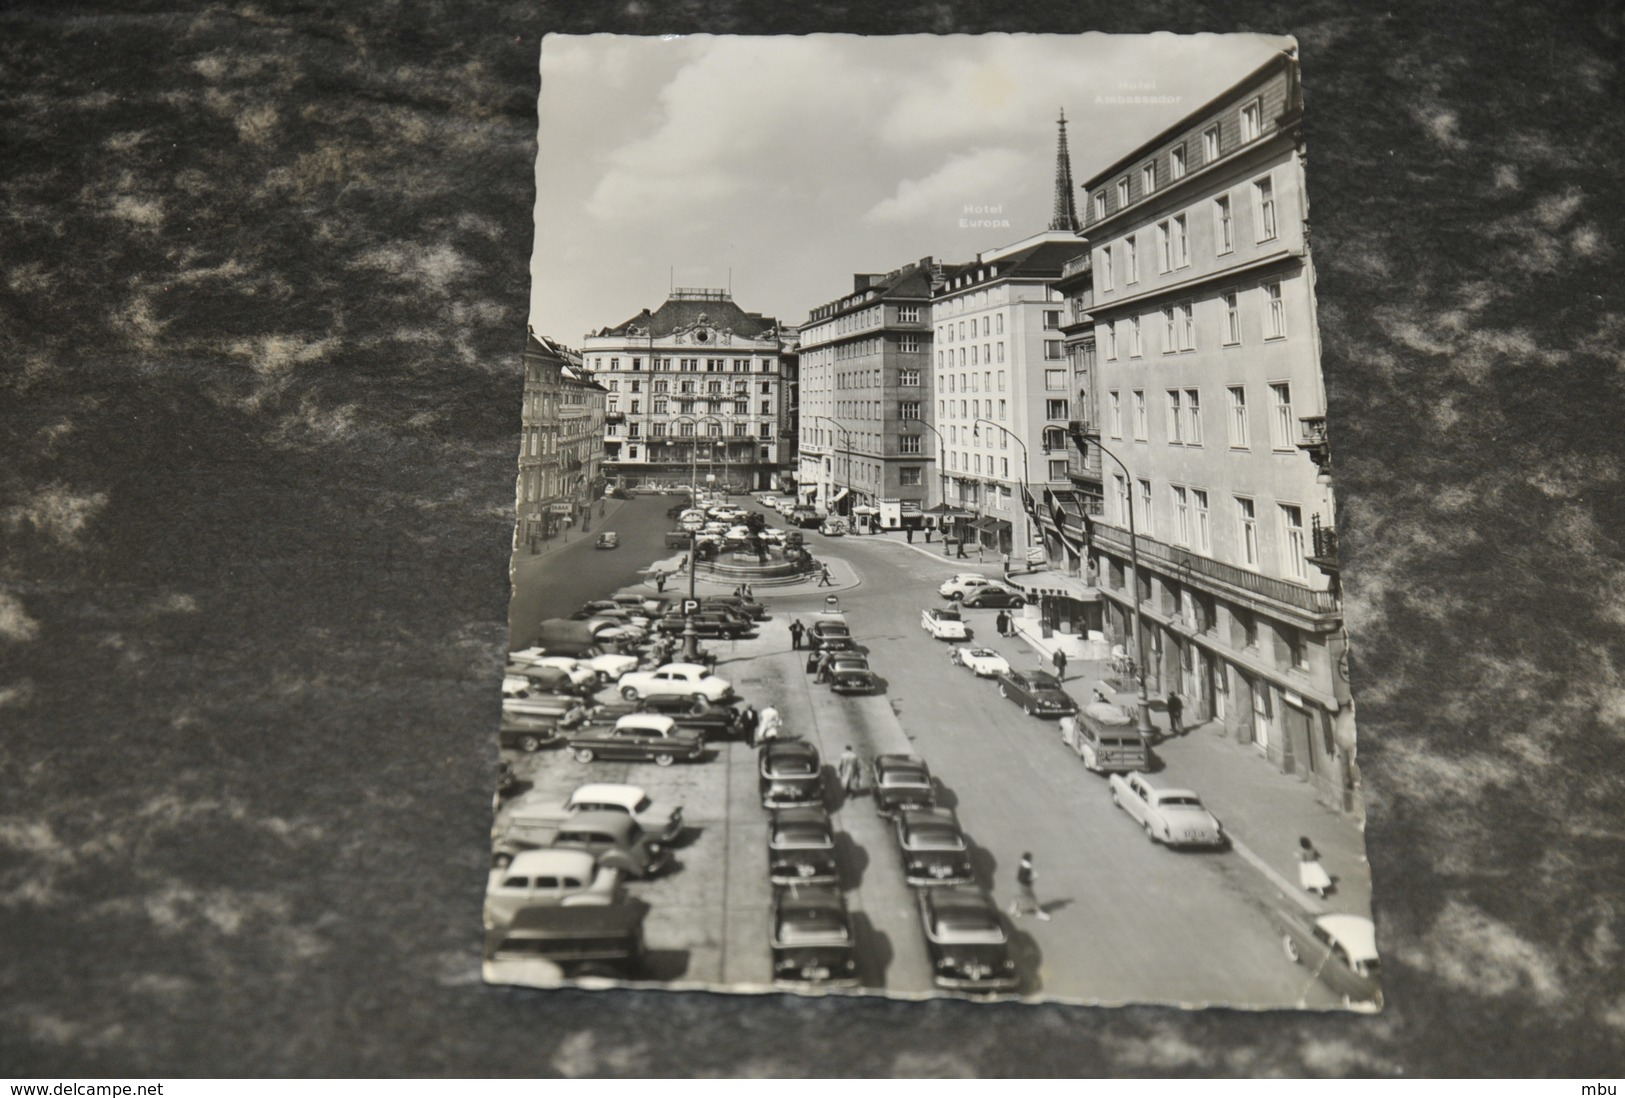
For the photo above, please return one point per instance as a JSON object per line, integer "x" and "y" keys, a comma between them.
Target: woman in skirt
{"x": 1311, "y": 874}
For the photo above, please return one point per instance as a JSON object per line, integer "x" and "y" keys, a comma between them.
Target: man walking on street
{"x": 848, "y": 769}
{"x": 796, "y": 629}
{"x": 748, "y": 723}
{"x": 1026, "y": 901}
{"x": 660, "y": 581}
{"x": 1060, "y": 664}
{"x": 1001, "y": 623}
{"x": 1176, "y": 708}
{"x": 824, "y": 578}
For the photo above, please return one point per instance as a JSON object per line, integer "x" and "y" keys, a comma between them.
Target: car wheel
{"x": 1004, "y": 691}
{"x": 584, "y": 754}
{"x": 664, "y": 759}
{"x": 1116, "y": 800}
{"x": 1145, "y": 825}
{"x": 1290, "y": 948}
{"x": 1032, "y": 710}
{"x": 530, "y": 744}
{"x": 630, "y": 693}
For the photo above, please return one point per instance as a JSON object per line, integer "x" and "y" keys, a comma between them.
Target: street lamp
{"x": 1083, "y": 437}
{"x": 942, "y": 456}
{"x": 976, "y": 429}
{"x": 846, "y": 443}
{"x": 691, "y": 637}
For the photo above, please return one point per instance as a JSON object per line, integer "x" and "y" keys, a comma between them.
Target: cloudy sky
{"x": 795, "y": 161}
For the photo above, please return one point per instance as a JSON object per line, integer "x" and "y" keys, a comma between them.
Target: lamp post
{"x": 691, "y": 638}
{"x": 976, "y": 429}
{"x": 846, "y": 443}
{"x": 942, "y": 456}
{"x": 1083, "y": 437}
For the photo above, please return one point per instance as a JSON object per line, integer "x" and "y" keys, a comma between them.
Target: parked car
{"x": 801, "y": 847}
{"x": 833, "y": 527}
{"x": 746, "y": 608}
{"x": 806, "y": 519}
{"x": 831, "y": 636}
{"x": 1340, "y": 949}
{"x": 650, "y": 606}
{"x": 1105, "y": 738}
{"x": 706, "y": 624}
{"x": 983, "y": 662}
{"x": 549, "y": 945}
{"x": 641, "y": 737}
{"x": 705, "y": 719}
{"x": 527, "y": 702}
{"x": 790, "y": 773}
{"x": 533, "y": 820}
{"x": 902, "y": 781}
{"x": 849, "y": 673}
{"x": 544, "y": 679}
{"x": 616, "y": 840}
{"x": 958, "y": 586}
{"x": 532, "y": 878}
{"x": 584, "y": 678}
{"x": 811, "y": 936}
{"x": 609, "y": 539}
{"x": 1038, "y": 692}
{"x": 966, "y": 940}
{"x": 527, "y": 733}
{"x": 609, "y": 665}
{"x": 1171, "y": 816}
{"x": 944, "y": 623}
{"x": 692, "y": 679}
{"x": 989, "y": 596}
{"x": 678, "y": 539}
{"x": 934, "y": 850}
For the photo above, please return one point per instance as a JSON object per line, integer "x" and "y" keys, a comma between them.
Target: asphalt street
{"x": 1130, "y": 921}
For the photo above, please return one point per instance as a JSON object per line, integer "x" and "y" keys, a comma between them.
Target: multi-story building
{"x": 1211, "y": 399}
{"x": 865, "y": 395}
{"x": 696, "y": 391}
{"x": 561, "y": 450}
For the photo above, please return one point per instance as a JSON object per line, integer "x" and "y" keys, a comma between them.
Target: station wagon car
{"x": 536, "y": 877}
{"x": 790, "y": 773}
{"x": 801, "y": 847}
{"x": 955, "y": 587}
{"x": 966, "y": 940}
{"x": 1174, "y": 817}
{"x": 1038, "y": 692}
{"x": 902, "y": 781}
{"x": 1106, "y": 739}
{"x": 546, "y": 946}
{"x": 810, "y": 934}
{"x": 616, "y": 840}
{"x": 641, "y": 737}
{"x": 534, "y": 819}
{"x": 849, "y": 673}
{"x": 934, "y": 850}
{"x": 983, "y": 662}
{"x": 989, "y": 596}
{"x": 1340, "y": 949}
{"x": 527, "y": 702}
{"x": 944, "y": 623}
{"x": 832, "y": 636}
{"x": 690, "y": 679}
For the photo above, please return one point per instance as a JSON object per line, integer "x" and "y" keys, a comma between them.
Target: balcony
{"x": 1324, "y": 554}
{"x": 1222, "y": 578}
{"x": 1315, "y": 441}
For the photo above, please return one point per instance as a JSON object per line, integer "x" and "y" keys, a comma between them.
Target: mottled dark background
{"x": 264, "y": 294}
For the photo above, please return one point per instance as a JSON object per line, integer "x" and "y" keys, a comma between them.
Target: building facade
{"x": 1208, "y": 393}
{"x": 865, "y": 397}
{"x": 561, "y": 449}
{"x": 697, "y": 392}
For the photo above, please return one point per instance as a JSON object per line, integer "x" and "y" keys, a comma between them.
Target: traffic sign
{"x": 690, "y": 605}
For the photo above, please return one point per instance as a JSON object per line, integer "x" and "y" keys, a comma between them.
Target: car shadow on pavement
{"x": 851, "y": 859}
{"x": 983, "y": 864}
{"x": 1029, "y": 960}
{"x": 946, "y": 797}
{"x": 665, "y": 965}
{"x": 875, "y": 951}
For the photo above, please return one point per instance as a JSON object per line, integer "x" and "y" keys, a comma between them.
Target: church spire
{"x": 1066, "y": 212}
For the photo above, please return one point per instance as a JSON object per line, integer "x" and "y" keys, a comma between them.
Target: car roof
{"x": 1354, "y": 933}
{"x": 646, "y": 720}
{"x": 537, "y": 862}
{"x": 898, "y": 759}
{"x": 804, "y": 814}
{"x": 790, "y": 747}
{"x": 699, "y": 667}
{"x": 608, "y": 791}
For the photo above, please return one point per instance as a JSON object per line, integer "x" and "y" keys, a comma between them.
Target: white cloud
{"x": 980, "y": 177}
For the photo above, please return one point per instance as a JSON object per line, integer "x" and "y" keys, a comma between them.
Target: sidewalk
{"x": 568, "y": 536}
{"x": 1263, "y": 810}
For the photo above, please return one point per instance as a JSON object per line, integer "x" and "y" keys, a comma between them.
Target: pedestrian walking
{"x": 796, "y": 630}
{"x": 824, "y": 578}
{"x": 1060, "y": 664}
{"x": 960, "y": 546}
{"x": 1026, "y": 901}
{"x": 849, "y": 770}
{"x": 824, "y": 661}
{"x": 1312, "y": 876}
{"x": 1176, "y": 708}
{"x": 909, "y": 533}
{"x": 771, "y": 725}
{"x": 1001, "y": 622}
{"x": 749, "y": 722}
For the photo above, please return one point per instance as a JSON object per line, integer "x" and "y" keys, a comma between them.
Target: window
{"x": 998, "y": 324}
{"x": 1109, "y": 333}
{"x": 1176, "y": 162}
{"x": 635, "y": 404}
{"x": 739, "y": 429}
{"x": 908, "y": 409}
{"x": 1055, "y": 380}
{"x": 1182, "y": 516}
{"x": 1121, "y": 486}
{"x": 1232, "y": 319}
{"x": 1170, "y": 337}
{"x": 662, "y": 385}
{"x": 1107, "y": 281}
{"x": 741, "y": 407}
{"x": 908, "y": 344}
{"x": 1264, "y": 202}
{"x": 1180, "y": 242}
{"x": 908, "y": 444}
{"x": 1247, "y": 531}
{"x": 1055, "y": 409}
{"x": 1054, "y": 350}
{"x": 1293, "y": 544}
{"x": 1135, "y": 346}
{"x": 1057, "y": 470}
{"x": 1148, "y": 178}
{"x": 1052, "y": 319}
{"x": 1193, "y": 418}
{"x": 1238, "y": 418}
{"x": 1210, "y": 144}
{"x": 1281, "y": 416}
{"x": 658, "y": 430}
{"x": 1147, "y": 525}
{"x": 1141, "y": 420}
{"x": 1175, "y": 416}
{"x": 1100, "y": 206}
{"x": 1114, "y": 401}
{"x": 1000, "y": 346}
{"x": 1187, "y": 326}
{"x": 908, "y": 377}
{"x": 908, "y": 476}
{"x": 1224, "y": 235}
{"x": 908, "y": 314}
{"x": 1122, "y": 192}
{"x": 1131, "y": 260}
{"x": 1002, "y": 408}
{"x": 1204, "y": 540}
{"x": 1001, "y": 376}
{"x": 659, "y": 405}
{"x": 1275, "y": 316}
{"x": 766, "y": 387}
{"x": 1165, "y": 256}
{"x": 1252, "y": 121}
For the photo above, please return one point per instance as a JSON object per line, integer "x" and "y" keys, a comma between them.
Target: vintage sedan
{"x": 1174, "y": 817}
{"x": 1038, "y": 692}
{"x": 934, "y": 850}
{"x": 712, "y": 623}
{"x": 534, "y": 819}
{"x": 547, "y": 945}
{"x": 966, "y": 940}
{"x": 533, "y": 878}
{"x": 548, "y": 680}
{"x": 525, "y": 701}
{"x": 690, "y": 679}
{"x": 801, "y": 847}
{"x": 528, "y": 734}
{"x": 958, "y": 586}
{"x": 902, "y": 781}
{"x": 609, "y": 539}
{"x": 581, "y": 675}
{"x": 789, "y": 774}
{"x": 811, "y": 936}
{"x": 944, "y": 623}
{"x": 702, "y": 718}
{"x": 640, "y": 737}
{"x": 1340, "y": 949}
{"x": 749, "y": 609}
{"x": 616, "y": 840}
{"x": 989, "y": 596}
{"x": 831, "y": 636}
{"x": 849, "y": 673}
{"x": 983, "y": 662}
{"x": 608, "y": 665}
